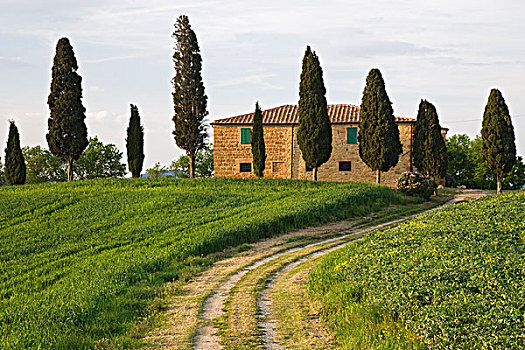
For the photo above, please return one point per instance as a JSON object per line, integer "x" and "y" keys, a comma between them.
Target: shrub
{"x": 415, "y": 184}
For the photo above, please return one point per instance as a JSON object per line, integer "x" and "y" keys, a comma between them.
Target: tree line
{"x": 72, "y": 154}
{"x": 378, "y": 136}
{"x": 469, "y": 167}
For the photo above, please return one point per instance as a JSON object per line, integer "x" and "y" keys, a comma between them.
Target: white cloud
{"x": 106, "y": 117}
{"x": 251, "y": 80}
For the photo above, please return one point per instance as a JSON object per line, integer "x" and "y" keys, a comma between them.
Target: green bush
{"x": 415, "y": 184}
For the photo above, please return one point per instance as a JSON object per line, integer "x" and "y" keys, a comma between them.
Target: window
{"x": 245, "y": 167}
{"x": 277, "y": 167}
{"x": 351, "y": 135}
{"x": 246, "y": 136}
{"x": 308, "y": 168}
{"x": 345, "y": 166}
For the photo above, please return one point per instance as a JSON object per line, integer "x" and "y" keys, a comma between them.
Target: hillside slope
{"x": 78, "y": 260}
{"x": 452, "y": 279}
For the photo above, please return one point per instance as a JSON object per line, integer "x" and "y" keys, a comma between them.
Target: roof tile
{"x": 287, "y": 114}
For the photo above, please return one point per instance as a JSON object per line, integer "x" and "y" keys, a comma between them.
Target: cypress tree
{"x": 257, "y": 140}
{"x": 189, "y": 99}
{"x": 67, "y": 136}
{"x": 15, "y": 166}
{"x": 314, "y": 134}
{"x": 430, "y": 151}
{"x": 499, "y": 147}
{"x": 378, "y": 137}
{"x": 135, "y": 143}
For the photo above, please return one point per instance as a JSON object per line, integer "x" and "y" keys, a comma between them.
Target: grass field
{"x": 80, "y": 261}
{"x": 452, "y": 279}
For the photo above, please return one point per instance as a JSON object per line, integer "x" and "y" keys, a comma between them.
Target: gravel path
{"x": 267, "y": 323}
{"x": 192, "y": 311}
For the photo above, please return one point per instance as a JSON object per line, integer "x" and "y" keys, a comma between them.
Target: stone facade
{"x": 284, "y": 158}
{"x": 233, "y": 158}
{"x": 229, "y": 153}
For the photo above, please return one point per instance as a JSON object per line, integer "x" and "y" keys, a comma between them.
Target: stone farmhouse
{"x": 233, "y": 157}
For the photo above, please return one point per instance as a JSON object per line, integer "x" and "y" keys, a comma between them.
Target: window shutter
{"x": 351, "y": 135}
{"x": 246, "y": 136}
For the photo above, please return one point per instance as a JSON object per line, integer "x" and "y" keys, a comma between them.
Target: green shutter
{"x": 351, "y": 135}
{"x": 246, "y": 138}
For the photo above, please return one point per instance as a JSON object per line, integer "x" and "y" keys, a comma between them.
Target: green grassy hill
{"x": 79, "y": 261}
{"x": 452, "y": 279}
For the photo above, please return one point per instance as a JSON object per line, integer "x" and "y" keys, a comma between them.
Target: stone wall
{"x": 229, "y": 152}
{"x": 341, "y": 151}
{"x": 284, "y": 158}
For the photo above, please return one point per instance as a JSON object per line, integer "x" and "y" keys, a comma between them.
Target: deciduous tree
{"x": 157, "y": 171}
{"x": 469, "y": 167}
{"x": 42, "y": 166}
{"x": 67, "y": 136}
{"x": 257, "y": 140}
{"x": 15, "y": 166}
{"x": 203, "y": 164}
{"x": 458, "y": 152}
{"x": 314, "y": 134}
{"x": 99, "y": 161}
{"x": 189, "y": 99}
{"x": 135, "y": 143}
{"x": 499, "y": 148}
{"x": 378, "y": 137}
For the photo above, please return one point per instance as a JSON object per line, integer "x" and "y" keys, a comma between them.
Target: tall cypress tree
{"x": 258, "y": 147}
{"x": 378, "y": 137}
{"x": 430, "y": 151}
{"x": 67, "y": 137}
{"x": 15, "y": 166}
{"x": 499, "y": 148}
{"x": 135, "y": 143}
{"x": 189, "y": 99}
{"x": 314, "y": 134}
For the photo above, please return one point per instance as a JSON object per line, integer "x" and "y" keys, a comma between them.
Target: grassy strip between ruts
{"x": 82, "y": 263}
{"x": 239, "y": 329}
{"x": 297, "y": 319}
{"x": 451, "y": 279}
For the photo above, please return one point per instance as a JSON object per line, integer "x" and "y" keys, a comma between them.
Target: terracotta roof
{"x": 287, "y": 114}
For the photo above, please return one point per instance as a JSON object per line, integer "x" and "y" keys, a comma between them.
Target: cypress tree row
{"x": 314, "y": 134}
{"x": 135, "y": 143}
{"x": 67, "y": 137}
{"x": 257, "y": 140}
{"x": 430, "y": 151}
{"x": 189, "y": 99}
{"x": 497, "y": 132}
{"x": 15, "y": 166}
{"x": 378, "y": 137}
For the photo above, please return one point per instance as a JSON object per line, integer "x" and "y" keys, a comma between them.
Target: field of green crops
{"x": 77, "y": 259}
{"x": 452, "y": 279}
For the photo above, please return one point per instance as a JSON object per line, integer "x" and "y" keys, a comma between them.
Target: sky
{"x": 448, "y": 52}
